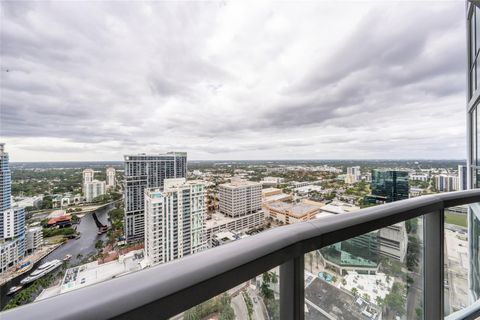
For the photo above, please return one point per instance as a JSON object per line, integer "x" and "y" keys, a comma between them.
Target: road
{"x": 259, "y": 309}
{"x": 415, "y": 294}
{"x": 239, "y": 307}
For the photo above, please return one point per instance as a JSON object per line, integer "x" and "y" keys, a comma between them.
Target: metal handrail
{"x": 165, "y": 290}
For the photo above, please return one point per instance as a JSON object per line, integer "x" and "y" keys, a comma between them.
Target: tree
{"x": 394, "y": 300}
{"x": 191, "y": 314}
{"x": 354, "y": 291}
{"x": 99, "y": 244}
{"x": 227, "y": 313}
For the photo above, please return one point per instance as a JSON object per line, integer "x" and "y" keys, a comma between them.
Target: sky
{"x": 233, "y": 80}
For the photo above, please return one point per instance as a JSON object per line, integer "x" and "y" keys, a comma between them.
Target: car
{"x": 255, "y": 299}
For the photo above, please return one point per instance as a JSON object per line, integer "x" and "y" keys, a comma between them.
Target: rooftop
{"x": 93, "y": 272}
{"x": 297, "y": 209}
{"x": 235, "y": 183}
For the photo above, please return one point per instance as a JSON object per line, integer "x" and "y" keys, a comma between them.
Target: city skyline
{"x": 226, "y": 81}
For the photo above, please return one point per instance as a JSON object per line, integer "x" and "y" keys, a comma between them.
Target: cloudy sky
{"x": 233, "y": 80}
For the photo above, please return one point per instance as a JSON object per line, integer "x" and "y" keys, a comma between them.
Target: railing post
{"x": 292, "y": 289}
{"x": 433, "y": 265}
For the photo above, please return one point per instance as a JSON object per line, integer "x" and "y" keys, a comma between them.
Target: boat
{"x": 14, "y": 290}
{"x": 44, "y": 269}
{"x": 67, "y": 257}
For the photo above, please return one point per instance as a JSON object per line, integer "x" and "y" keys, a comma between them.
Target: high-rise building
{"x": 446, "y": 183}
{"x": 473, "y": 144}
{"x": 462, "y": 177}
{"x": 147, "y": 171}
{"x": 88, "y": 175}
{"x": 353, "y": 174}
{"x": 12, "y": 219}
{"x": 110, "y": 178}
{"x": 93, "y": 189}
{"x": 240, "y": 197}
{"x": 5, "y": 185}
{"x": 390, "y": 184}
{"x": 174, "y": 220}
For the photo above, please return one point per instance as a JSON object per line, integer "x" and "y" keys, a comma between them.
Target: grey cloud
{"x": 196, "y": 77}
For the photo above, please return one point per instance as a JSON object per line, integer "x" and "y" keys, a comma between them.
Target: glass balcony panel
{"x": 456, "y": 263}
{"x": 256, "y": 299}
{"x": 373, "y": 276}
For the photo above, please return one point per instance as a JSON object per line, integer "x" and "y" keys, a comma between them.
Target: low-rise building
{"x": 95, "y": 272}
{"x": 224, "y": 237}
{"x": 66, "y": 199}
{"x": 219, "y": 222}
{"x": 272, "y": 181}
{"x": 307, "y": 189}
{"x": 288, "y": 213}
{"x": 10, "y": 253}
{"x": 273, "y": 194}
{"x": 337, "y": 207}
{"x": 34, "y": 239}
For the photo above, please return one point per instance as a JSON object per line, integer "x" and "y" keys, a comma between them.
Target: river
{"x": 85, "y": 245}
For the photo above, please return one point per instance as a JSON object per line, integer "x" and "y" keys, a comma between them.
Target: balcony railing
{"x": 166, "y": 290}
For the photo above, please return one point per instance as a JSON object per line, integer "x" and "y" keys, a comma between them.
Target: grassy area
{"x": 457, "y": 219}
{"x": 55, "y": 239}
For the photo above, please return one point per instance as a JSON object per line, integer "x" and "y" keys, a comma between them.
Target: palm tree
{"x": 354, "y": 291}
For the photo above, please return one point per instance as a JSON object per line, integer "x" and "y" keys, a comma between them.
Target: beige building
{"x": 240, "y": 197}
{"x": 288, "y": 213}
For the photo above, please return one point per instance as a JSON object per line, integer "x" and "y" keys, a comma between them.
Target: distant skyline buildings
{"x": 12, "y": 219}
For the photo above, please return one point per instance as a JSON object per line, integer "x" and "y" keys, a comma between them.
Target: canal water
{"x": 85, "y": 245}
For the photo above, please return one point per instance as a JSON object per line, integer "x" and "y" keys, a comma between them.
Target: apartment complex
{"x": 93, "y": 189}
{"x": 174, "y": 220}
{"x": 353, "y": 175}
{"x": 12, "y": 219}
{"x": 88, "y": 175}
{"x": 34, "y": 239}
{"x": 110, "y": 178}
{"x": 240, "y": 198}
{"x": 473, "y": 137}
{"x": 147, "y": 171}
{"x": 446, "y": 183}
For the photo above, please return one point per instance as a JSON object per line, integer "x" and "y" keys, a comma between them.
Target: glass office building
{"x": 473, "y": 114}
{"x": 390, "y": 184}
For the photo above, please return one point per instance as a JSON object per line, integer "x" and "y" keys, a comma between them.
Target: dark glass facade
{"x": 473, "y": 49}
{"x": 390, "y": 184}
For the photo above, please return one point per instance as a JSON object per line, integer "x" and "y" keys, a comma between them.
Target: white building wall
{"x": 174, "y": 220}
{"x": 34, "y": 238}
{"x": 110, "y": 178}
{"x": 9, "y": 254}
